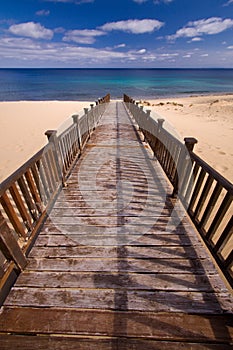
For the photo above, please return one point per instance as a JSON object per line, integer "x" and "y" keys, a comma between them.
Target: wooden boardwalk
{"x": 117, "y": 264}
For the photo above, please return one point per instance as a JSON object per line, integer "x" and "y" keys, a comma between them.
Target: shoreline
{"x": 208, "y": 118}
{"x": 116, "y": 98}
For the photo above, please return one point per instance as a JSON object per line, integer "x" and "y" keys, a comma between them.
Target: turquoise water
{"x": 89, "y": 84}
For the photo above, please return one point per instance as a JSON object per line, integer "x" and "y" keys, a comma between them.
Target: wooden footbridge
{"x": 101, "y": 250}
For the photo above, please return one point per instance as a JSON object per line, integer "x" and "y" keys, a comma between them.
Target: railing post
{"x": 190, "y": 143}
{"x": 88, "y": 126}
{"x": 159, "y": 140}
{"x": 75, "y": 118}
{"x": 52, "y": 138}
{"x": 160, "y": 123}
{"x": 93, "y": 116}
{"x": 140, "y": 111}
{"x": 188, "y": 147}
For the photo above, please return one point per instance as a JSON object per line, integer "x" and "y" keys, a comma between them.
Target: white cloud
{"x": 25, "y": 49}
{"x": 44, "y": 53}
{"x": 134, "y": 26}
{"x": 196, "y": 39}
{"x": 119, "y": 46}
{"x": 43, "y": 13}
{"x": 209, "y": 26}
{"x": 31, "y": 30}
{"x": 228, "y": 3}
{"x": 205, "y": 55}
{"x": 230, "y": 47}
{"x": 142, "y": 51}
{"x": 85, "y": 36}
{"x": 18, "y": 51}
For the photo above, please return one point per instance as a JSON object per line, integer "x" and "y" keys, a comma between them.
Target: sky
{"x": 116, "y": 33}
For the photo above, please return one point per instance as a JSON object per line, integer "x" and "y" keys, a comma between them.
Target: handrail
{"x": 205, "y": 194}
{"x": 28, "y": 194}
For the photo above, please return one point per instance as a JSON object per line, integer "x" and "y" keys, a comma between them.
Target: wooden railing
{"x": 29, "y": 193}
{"x": 206, "y": 195}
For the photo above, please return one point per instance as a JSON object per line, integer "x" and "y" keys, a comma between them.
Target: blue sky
{"x": 116, "y": 33}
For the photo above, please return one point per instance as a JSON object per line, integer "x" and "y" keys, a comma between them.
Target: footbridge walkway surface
{"x": 118, "y": 263}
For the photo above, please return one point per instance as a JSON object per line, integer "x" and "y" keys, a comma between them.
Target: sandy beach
{"x": 22, "y": 128}
{"x": 207, "y": 118}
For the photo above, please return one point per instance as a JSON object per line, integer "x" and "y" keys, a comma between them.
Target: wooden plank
{"x": 149, "y": 325}
{"x": 158, "y": 252}
{"x": 114, "y": 209}
{"x": 9, "y": 342}
{"x": 116, "y": 265}
{"x": 135, "y": 231}
{"x": 114, "y": 280}
{"x": 110, "y": 299}
{"x": 60, "y": 240}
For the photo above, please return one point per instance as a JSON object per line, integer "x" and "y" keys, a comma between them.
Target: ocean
{"x": 90, "y": 84}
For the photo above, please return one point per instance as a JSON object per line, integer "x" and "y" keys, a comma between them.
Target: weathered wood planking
{"x": 149, "y": 325}
{"x": 120, "y": 252}
{"x": 62, "y": 343}
{"x": 117, "y": 264}
{"x": 169, "y": 266}
{"x": 116, "y": 280}
{"x": 59, "y": 240}
{"x": 111, "y": 299}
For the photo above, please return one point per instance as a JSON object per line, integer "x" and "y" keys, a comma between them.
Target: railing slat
{"x": 34, "y": 191}
{"x": 21, "y": 206}
{"x": 43, "y": 183}
{"x": 210, "y": 206}
{"x": 197, "y": 188}
{"x": 191, "y": 184}
{"x": 229, "y": 260}
{"x": 219, "y": 216}
{"x": 203, "y": 197}
{"x": 9, "y": 245}
{"x": 227, "y": 233}
{"x": 7, "y": 206}
{"x": 28, "y": 199}
{"x": 47, "y": 175}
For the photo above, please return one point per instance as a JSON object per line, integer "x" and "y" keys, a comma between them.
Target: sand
{"x": 22, "y": 128}
{"x": 207, "y": 118}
